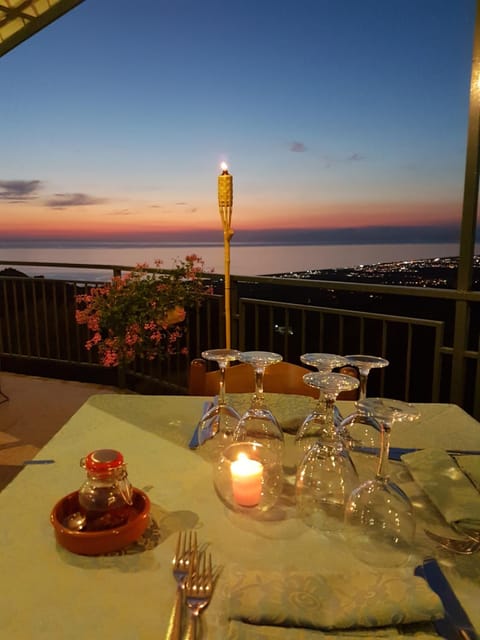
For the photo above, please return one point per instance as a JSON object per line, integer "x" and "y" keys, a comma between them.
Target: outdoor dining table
{"x": 49, "y": 592}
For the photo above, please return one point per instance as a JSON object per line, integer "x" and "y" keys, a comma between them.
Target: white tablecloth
{"x": 47, "y": 592}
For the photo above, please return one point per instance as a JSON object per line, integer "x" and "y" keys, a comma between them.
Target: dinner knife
{"x": 455, "y": 625}
{"x": 396, "y": 453}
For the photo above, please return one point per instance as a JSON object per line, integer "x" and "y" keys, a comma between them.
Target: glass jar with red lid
{"x": 106, "y": 495}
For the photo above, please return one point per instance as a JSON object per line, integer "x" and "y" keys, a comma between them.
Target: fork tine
{"x": 192, "y": 542}
{"x": 201, "y": 566}
{"x": 185, "y": 550}
{"x": 208, "y": 570}
{"x": 198, "y": 589}
{"x": 192, "y": 567}
{"x": 200, "y": 573}
{"x": 178, "y": 547}
{"x": 186, "y": 543}
{"x": 191, "y": 550}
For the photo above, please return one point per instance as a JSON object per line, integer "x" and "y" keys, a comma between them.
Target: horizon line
{"x": 378, "y": 234}
{"x": 278, "y": 243}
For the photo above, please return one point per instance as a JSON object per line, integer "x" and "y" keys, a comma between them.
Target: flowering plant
{"x": 138, "y": 314}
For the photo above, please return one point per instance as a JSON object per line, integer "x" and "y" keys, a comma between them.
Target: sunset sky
{"x": 331, "y": 114}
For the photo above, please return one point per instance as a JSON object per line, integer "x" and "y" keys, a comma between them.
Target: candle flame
{"x": 224, "y": 166}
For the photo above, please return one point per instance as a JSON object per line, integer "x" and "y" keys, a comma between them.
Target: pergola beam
{"x": 468, "y": 229}
{"x": 472, "y": 170}
{"x": 32, "y": 17}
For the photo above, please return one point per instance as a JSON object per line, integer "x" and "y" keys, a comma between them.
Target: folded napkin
{"x": 470, "y": 465}
{"x": 289, "y": 409}
{"x": 440, "y": 477}
{"x": 314, "y": 601}
{"x": 241, "y": 631}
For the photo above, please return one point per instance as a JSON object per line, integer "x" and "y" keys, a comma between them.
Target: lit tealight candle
{"x": 247, "y": 478}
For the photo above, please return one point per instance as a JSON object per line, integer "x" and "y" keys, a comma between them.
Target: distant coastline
{"x": 119, "y": 244}
{"x": 246, "y": 259}
{"x": 438, "y": 273}
{"x": 367, "y": 235}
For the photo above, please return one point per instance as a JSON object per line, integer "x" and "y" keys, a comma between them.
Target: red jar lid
{"x": 103, "y": 460}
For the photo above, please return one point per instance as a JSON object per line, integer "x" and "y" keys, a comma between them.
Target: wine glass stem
{"x": 385, "y": 431}
{"x": 363, "y": 385}
{"x": 221, "y": 385}
{"x": 258, "y": 397}
{"x": 320, "y": 404}
{"x": 259, "y": 380}
{"x": 329, "y": 400}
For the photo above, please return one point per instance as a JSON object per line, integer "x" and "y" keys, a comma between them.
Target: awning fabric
{"x": 20, "y": 19}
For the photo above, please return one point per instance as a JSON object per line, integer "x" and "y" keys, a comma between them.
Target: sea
{"x": 245, "y": 259}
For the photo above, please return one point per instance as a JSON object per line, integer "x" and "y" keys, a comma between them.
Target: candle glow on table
{"x": 247, "y": 476}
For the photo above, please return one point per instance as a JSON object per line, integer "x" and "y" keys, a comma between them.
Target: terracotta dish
{"x": 94, "y": 543}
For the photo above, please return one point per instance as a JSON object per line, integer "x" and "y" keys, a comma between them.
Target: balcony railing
{"x": 415, "y": 328}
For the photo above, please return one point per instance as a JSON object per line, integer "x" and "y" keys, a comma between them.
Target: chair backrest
{"x": 283, "y": 377}
{"x": 238, "y": 379}
{"x": 349, "y": 370}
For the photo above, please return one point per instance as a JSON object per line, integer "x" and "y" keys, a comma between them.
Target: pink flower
{"x": 138, "y": 314}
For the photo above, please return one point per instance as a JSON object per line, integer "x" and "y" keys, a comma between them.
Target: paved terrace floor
{"x": 35, "y": 410}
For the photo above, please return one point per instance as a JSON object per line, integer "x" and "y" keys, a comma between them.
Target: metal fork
{"x": 465, "y": 546}
{"x": 186, "y": 549}
{"x": 198, "y": 588}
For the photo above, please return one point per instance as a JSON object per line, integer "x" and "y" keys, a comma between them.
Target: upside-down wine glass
{"x": 325, "y": 475}
{"x": 366, "y": 433}
{"x": 365, "y": 364}
{"x": 220, "y": 419}
{"x": 315, "y": 421}
{"x": 323, "y": 362}
{"x": 258, "y": 424}
{"x": 379, "y": 517}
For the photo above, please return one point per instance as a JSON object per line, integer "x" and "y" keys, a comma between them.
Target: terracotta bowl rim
{"x": 97, "y": 535}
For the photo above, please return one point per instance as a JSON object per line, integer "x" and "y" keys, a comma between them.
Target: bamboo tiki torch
{"x": 225, "y": 201}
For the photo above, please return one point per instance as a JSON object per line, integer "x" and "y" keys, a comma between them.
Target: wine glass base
{"x": 326, "y": 476}
{"x": 212, "y": 449}
{"x": 380, "y": 524}
{"x": 321, "y": 515}
{"x": 260, "y": 425}
{"x": 360, "y": 431}
{"x": 376, "y": 551}
{"x": 218, "y": 425}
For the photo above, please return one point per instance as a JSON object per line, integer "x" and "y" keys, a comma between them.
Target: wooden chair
{"x": 283, "y": 377}
{"x": 3, "y": 396}
{"x": 349, "y": 370}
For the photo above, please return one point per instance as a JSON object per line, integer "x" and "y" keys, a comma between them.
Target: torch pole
{"x": 226, "y": 214}
{"x": 225, "y": 202}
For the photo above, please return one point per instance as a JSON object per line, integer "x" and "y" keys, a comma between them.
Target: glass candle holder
{"x": 248, "y": 477}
